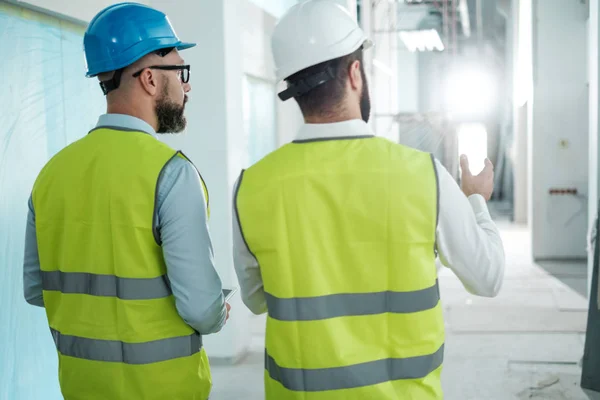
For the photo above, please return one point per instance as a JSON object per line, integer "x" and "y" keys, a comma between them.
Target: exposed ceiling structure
{"x": 462, "y": 25}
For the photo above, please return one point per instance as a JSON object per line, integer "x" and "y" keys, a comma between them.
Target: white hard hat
{"x": 313, "y": 32}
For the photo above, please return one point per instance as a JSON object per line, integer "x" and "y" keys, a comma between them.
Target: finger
{"x": 464, "y": 165}
{"x": 488, "y": 167}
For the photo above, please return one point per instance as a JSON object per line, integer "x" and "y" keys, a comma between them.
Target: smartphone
{"x": 228, "y": 293}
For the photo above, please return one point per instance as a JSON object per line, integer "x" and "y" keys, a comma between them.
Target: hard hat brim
{"x": 185, "y": 45}
{"x": 178, "y": 45}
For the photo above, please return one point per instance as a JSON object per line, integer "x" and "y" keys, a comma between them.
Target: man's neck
{"x": 150, "y": 119}
{"x": 330, "y": 119}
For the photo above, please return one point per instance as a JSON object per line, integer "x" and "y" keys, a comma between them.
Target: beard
{"x": 365, "y": 99}
{"x": 170, "y": 114}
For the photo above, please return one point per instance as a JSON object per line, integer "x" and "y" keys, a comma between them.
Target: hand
{"x": 228, "y": 307}
{"x": 482, "y": 184}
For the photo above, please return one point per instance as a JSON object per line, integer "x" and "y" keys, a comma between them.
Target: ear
{"x": 149, "y": 81}
{"x": 355, "y": 77}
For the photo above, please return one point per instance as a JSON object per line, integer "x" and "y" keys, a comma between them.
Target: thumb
{"x": 464, "y": 165}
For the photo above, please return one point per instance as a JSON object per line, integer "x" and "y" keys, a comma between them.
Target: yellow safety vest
{"x": 108, "y": 301}
{"x": 344, "y": 233}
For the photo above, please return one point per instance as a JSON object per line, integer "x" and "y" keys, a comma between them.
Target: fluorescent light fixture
{"x": 382, "y": 67}
{"x": 422, "y": 40}
{"x": 463, "y": 9}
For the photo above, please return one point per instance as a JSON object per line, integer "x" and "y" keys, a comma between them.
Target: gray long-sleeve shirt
{"x": 187, "y": 246}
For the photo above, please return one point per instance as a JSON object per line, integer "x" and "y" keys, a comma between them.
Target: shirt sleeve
{"x": 187, "y": 247}
{"x": 32, "y": 274}
{"x": 246, "y": 266}
{"x": 468, "y": 240}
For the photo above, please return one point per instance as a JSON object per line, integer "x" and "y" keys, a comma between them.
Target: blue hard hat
{"x": 123, "y": 33}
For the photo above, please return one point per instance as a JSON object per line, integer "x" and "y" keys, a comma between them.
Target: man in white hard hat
{"x": 337, "y": 232}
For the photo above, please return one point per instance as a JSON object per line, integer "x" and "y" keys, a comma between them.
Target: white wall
{"x": 408, "y": 81}
{"x": 277, "y": 7}
{"x": 289, "y": 119}
{"x": 384, "y": 70}
{"x": 560, "y": 113}
{"x": 257, "y": 28}
{"x": 274, "y": 7}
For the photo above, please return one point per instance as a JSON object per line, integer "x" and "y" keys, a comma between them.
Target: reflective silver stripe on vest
{"x": 106, "y": 285}
{"x": 340, "y": 305}
{"x": 353, "y": 376}
{"x": 128, "y": 353}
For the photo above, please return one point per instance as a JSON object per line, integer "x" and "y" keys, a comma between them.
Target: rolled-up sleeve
{"x": 468, "y": 240}
{"x": 187, "y": 247}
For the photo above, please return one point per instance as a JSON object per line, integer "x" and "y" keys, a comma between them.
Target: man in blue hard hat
{"x": 118, "y": 249}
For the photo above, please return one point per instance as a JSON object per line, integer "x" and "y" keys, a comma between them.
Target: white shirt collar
{"x": 345, "y": 129}
{"x": 125, "y": 122}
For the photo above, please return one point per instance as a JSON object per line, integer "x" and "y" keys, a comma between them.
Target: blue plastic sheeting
{"x": 45, "y": 104}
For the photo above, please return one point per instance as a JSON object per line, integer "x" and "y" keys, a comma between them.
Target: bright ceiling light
{"x": 422, "y": 40}
{"x": 470, "y": 91}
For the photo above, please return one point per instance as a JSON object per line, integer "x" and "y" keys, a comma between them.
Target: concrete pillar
{"x": 504, "y": 179}
{"x": 560, "y": 129}
{"x": 593, "y": 70}
{"x": 520, "y": 151}
{"x": 521, "y": 101}
{"x": 214, "y": 139}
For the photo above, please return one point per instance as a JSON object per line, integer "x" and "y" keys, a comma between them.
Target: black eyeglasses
{"x": 184, "y": 71}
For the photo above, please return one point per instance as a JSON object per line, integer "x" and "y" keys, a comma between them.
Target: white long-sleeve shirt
{"x": 467, "y": 241}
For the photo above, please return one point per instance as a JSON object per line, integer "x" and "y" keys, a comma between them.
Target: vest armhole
{"x": 237, "y": 214}
{"x": 204, "y": 187}
{"x": 437, "y": 202}
{"x": 155, "y": 230}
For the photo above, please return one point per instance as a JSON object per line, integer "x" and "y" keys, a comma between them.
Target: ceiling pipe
{"x": 446, "y": 19}
{"x": 465, "y": 21}
{"x": 479, "y": 16}
{"x": 454, "y": 29}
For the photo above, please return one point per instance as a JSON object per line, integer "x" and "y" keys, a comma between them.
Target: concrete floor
{"x": 526, "y": 343}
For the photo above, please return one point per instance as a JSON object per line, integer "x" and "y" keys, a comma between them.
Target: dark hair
{"x": 325, "y": 99}
{"x": 113, "y": 83}
{"x": 163, "y": 52}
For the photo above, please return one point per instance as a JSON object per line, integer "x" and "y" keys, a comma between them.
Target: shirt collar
{"x": 337, "y": 130}
{"x": 127, "y": 122}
